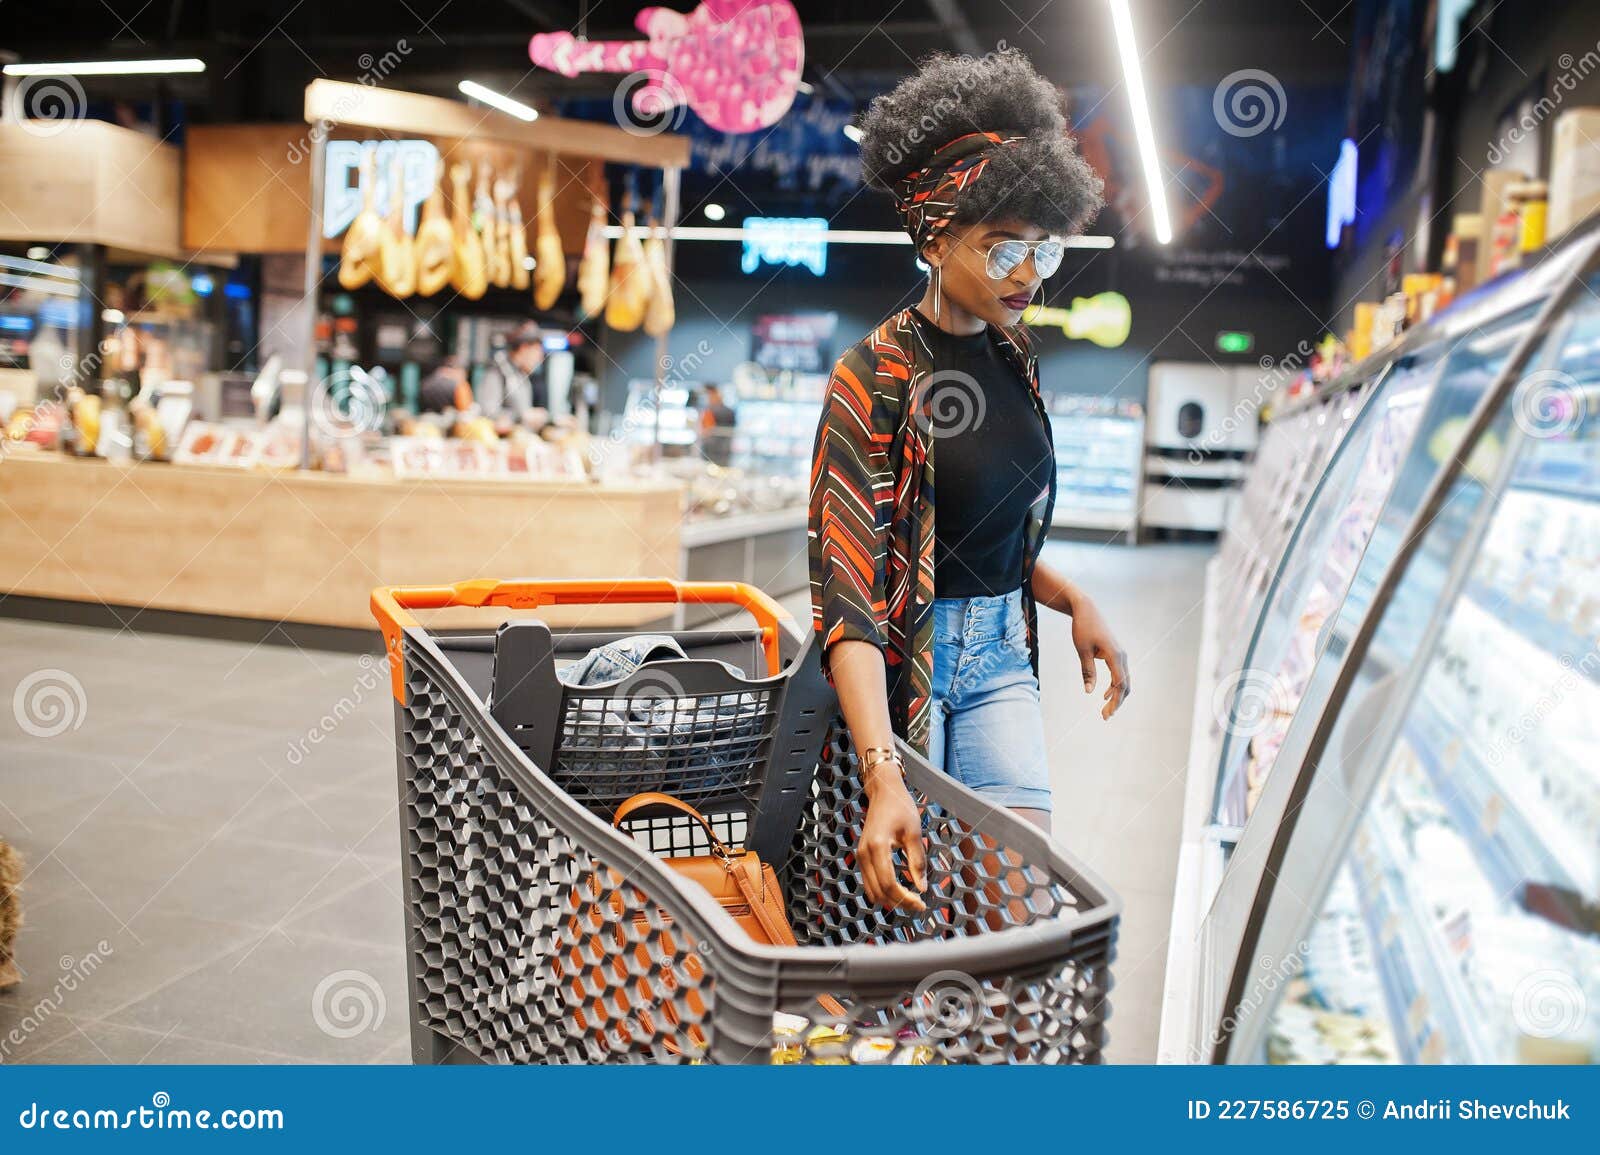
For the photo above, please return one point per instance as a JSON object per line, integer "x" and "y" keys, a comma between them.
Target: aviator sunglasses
{"x": 1003, "y": 257}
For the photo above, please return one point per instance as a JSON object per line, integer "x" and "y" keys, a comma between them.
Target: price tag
{"x": 1417, "y": 1015}
{"x": 1433, "y": 1050}
{"x": 1494, "y": 806}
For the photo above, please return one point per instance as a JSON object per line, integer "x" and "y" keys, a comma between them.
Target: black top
{"x": 991, "y": 458}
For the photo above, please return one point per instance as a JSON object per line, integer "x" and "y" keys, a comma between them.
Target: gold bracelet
{"x": 874, "y": 756}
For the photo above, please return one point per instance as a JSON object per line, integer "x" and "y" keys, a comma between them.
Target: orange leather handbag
{"x": 598, "y": 961}
{"x": 741, "y": 883}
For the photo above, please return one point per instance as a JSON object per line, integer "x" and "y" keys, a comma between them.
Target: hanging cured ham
{"x": 550, "y": 269}
{"x": 358, "y": 261}
{"x": 594, "y": 267}
{"x": 517, "y": 233}
{"x": 470, "y": 275}
{"x": 435, "y": 243}
{"x": 659, "y": 314}
{"x": 397, "y": 261}
{"x": 484, "y": 218}
{"x": 630, "y": 279}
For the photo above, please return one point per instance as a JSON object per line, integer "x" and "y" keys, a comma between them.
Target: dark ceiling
{"x": 260, "y": 55}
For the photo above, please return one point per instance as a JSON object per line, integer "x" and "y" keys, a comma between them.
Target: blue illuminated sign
{"x": 785, "y": 241}
{"x": 341, "y": 189}
{"x": 1342, "y": 192}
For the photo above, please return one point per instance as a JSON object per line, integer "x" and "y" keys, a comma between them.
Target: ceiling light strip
{"x": 1133, "y": 76}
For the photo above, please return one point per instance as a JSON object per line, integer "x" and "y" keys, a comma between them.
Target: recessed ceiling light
{"x": 38, "y": 253}
{"x": 714, "y": 212}
{"x": 853, "y": 131}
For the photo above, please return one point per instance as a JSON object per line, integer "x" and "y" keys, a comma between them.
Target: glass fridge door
{"x": 1256, "y": 700}
{"x": 1294, "y": 450}
{"x": 1288, "y": 853}
{"x": 1458, "y": 796}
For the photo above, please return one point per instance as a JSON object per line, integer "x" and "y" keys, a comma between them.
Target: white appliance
{"x": 1202, "y": 423}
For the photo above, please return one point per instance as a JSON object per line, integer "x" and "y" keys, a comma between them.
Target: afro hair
{"x": 1041, "y": 180}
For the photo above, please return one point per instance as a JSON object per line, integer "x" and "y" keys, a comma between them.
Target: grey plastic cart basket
{"x": 537, "y": 933}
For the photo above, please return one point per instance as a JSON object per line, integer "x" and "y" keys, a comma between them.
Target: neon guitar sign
{"x": 735, "y": 63}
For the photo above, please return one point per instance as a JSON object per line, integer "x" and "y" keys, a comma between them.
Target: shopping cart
{"x": 538, "y": 933}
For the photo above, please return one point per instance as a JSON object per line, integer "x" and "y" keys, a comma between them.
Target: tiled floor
{"x": 212, "y": 842}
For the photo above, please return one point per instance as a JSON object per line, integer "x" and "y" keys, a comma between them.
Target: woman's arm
{"x": 852, "y": 495}
{"x": 892, "y": 820}
{"x": 1091, "y": 636}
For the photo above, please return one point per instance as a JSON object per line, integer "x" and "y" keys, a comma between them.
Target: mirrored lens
{"x": 1004, "y": 257}
{"x": 1047, "y": 257}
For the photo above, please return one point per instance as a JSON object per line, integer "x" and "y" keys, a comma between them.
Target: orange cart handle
{"x": 390, "y": 604}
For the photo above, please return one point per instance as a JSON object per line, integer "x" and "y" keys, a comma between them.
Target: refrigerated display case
{"x": 777, "y": 425}
{"x": 1426, "y": 852}
{"x": 1293, "y": 452}
{"x": 1099, "y": 443}
{"x": 1306, "y": 719}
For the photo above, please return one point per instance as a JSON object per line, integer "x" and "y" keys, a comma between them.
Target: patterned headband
{"x": 926, "y": 197}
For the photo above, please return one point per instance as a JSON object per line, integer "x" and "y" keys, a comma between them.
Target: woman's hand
{"x": 1091, "y": 637}
{"x": 892, "y": 822}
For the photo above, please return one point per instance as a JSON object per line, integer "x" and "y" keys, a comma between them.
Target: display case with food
{"x": 775, "y": 424}
{"x": 1311, "y": 581}
{"x": 1099, "y": 444}
{"x": 1308, "y": 725}
{"x": 1439, "y": 775}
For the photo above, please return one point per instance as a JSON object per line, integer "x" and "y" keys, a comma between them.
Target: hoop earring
{"x": 934, "y": 277}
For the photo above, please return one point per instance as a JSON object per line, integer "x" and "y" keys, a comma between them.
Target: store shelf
{"x": 1564, "y": 647}
{"x": 1423, "y": 983}
{"x": 1509, "y": 844}
{"x": 1395, "y": 977}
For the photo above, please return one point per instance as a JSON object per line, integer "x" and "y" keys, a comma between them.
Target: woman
{"x": 929, "y": 625}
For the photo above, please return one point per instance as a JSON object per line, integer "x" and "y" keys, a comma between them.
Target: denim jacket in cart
{"x": 655, "y": 719}
{"x": 871, "y": 528}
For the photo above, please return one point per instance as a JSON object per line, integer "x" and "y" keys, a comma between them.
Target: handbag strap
{"x": 751, "y": 876}
{"x": 656, "y": 798}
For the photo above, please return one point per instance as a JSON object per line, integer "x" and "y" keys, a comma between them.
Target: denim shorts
{"x": 987, "y": 731}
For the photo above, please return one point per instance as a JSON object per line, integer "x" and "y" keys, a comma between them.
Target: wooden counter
{"x": 308, "y": 547}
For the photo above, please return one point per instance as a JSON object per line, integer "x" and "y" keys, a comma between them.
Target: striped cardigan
{"x": 871, "y": 510}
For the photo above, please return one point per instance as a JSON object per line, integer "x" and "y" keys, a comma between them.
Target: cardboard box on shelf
{"x": 1574, "y": 169}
